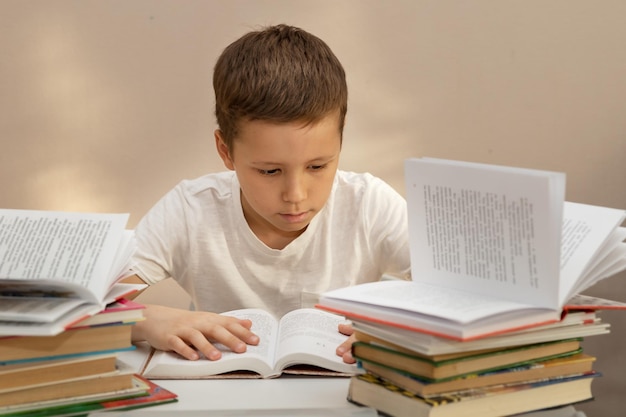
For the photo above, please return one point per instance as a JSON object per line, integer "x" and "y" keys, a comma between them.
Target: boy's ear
{"x": 223, "y": 151}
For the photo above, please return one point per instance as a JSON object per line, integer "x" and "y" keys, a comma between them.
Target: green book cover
{"x": 409, "y": 364}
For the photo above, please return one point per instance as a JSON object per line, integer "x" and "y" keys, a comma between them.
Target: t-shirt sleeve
{"x": 160, "y": 237}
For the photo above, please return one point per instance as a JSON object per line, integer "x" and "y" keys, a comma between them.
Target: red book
{"x": 122, "y": 311}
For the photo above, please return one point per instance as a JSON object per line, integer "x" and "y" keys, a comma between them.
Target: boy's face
{"x": 286, "y": 173}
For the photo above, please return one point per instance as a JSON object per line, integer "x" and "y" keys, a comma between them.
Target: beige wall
{"x": 105, "y": 105}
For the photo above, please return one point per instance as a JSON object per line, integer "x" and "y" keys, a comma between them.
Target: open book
{"x": 302, "y": 342}
{"x": 59, "y": 267}
{"x": 493, "y": 249}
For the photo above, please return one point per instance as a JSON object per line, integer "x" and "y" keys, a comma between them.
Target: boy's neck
{"x": 277, "y": 241}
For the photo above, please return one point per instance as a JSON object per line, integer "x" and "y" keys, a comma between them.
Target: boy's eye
{"x": 268, "y": 171}
{"x": 275, "y": 171}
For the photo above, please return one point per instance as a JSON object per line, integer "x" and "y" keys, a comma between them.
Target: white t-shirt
{"x": 197, "y": 234}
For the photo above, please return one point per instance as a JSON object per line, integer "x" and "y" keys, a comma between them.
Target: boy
{"x": 283, "y": 224}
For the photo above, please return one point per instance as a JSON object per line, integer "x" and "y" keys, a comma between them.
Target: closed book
{"x": 108, "y": 382}
{"x": 79, "y": 341}
{"x": 423, "y": 366}
{"x": 121, "y": 311}
{"x": 370, "y": 391}
{"x": 29, "y": 374}
{"x": 143, "y": 393}
{"x": 569, "y": 365}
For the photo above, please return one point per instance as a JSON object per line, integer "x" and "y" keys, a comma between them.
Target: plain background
{"x": 106, "y": 105}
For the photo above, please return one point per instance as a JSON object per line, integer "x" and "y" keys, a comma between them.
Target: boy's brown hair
{"x": 279, "y": 74}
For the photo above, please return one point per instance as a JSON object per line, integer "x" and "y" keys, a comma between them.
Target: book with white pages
{"x": 59, "y": 267}
{"x": 301, "y": 342}
{"x": 61, "y": 313}
{"x": 494, "y": 249}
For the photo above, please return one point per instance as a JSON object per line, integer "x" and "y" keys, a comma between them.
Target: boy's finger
{"x": 222, "y": 335}
{"x": 244, "y": 334}
{"x": 346, "y": 329}
{"x": 345, "y": 347}
{"x": 183, "y": 349}
{"x": 246, "y": 323}
{"x": 348, "y": 358}
{"x": 241, "y": 329}
{"x": 200, "y": 343}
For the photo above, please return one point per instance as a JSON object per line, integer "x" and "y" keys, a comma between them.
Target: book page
{"x": 168, "y": 365}
{"x": 42, "y": 315}
{"x": 36, "y": 309}
{"x": 590, "y": 233}
{"x": 486, "y": 229}
{"x": 77, "y": 249}
{"x": 612, "y": 264}
{"x": 422, "y": 303}
{"x": 310, "y": 336}
{"x": 38, "y": 327}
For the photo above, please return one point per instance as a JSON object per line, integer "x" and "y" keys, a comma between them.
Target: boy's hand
{"x": 345, "y": 349}
{"x": 184, "y": 332}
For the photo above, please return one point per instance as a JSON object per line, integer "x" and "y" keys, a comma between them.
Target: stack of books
{"x": 64, "y": 317}
{"x": 493, "y": 319}
{"x": 490, "y": 376}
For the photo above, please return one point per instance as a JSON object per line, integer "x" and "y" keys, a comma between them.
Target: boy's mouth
{"x": 295, "y": 217}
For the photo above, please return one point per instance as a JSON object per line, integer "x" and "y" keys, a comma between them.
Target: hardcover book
{"x": 119, "y": 379}
{"x": 392, "y": 400}
{"x": 38, "y": 373}
{"x": 452, "y": 367}
{"x": 143, "y": 393}
{"x": 569, "y": 365}
{"x": 71, "y": 343}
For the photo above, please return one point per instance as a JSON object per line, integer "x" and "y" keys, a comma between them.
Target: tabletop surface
{"x": 298, "y": 396}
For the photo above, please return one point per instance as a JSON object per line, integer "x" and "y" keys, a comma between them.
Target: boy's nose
{"x": 294, "y": 190}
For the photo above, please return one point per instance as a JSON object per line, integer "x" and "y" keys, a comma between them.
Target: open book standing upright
{"x": 493, "y": 249}
{"x": 58, "y": 267}
{"x": 303, "y": 339}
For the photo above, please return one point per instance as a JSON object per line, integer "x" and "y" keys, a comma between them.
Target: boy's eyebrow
{"x": 319, "y": 159}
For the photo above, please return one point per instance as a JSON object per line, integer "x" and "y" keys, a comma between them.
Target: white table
{"x": 284, "y": 396}
{"x": 295, "y": 396}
